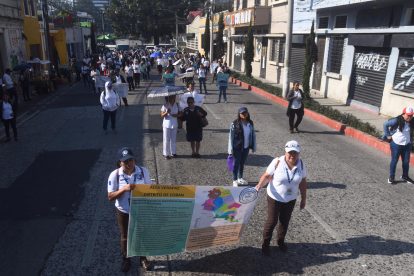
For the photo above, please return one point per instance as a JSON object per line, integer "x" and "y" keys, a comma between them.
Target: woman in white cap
{"x": 110, "y": 102}
{"x": 286, "y": 176}
{"x": 120, "y": 184}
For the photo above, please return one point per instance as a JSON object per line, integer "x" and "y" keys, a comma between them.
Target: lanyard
{"x": 287, "y": 174}
{"x": 135, "y": 178}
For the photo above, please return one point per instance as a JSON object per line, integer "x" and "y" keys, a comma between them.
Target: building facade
{"x": 12, "y": 50}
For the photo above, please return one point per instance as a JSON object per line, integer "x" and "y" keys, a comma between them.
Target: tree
{"x": 206, "y": 39}
{"x": 311, "y": 56}
{"x": 219, "y": 47}
{"x": 249, "y": 51}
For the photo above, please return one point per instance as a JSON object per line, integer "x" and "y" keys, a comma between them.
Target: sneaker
{"x": 235, "y": 183}
{"x": 391, "y": 180}
{"x": 242, "y": 181}
{"x": 126, "y": 264}
{"x": 407, "y": 179}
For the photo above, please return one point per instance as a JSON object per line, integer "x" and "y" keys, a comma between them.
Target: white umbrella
{"x": 166, "y": 91}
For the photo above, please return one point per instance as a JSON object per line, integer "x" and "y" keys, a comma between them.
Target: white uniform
{"x": 117, "y": 180}
{"x": 284, "y": 186}
{"x": 169, "y": 126}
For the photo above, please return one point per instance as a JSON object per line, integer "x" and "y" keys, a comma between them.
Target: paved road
{"x": 56, "y": 219}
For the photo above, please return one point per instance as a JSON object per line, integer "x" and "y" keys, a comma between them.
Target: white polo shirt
{"x": 402, "y": 138}
{"x": 284, "y": 186}
{"x": 297, "y": 101}
{"x": 140, "y": 176}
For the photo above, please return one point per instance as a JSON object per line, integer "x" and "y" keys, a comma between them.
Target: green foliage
{"x": 219, "y": 47}
{"x": 206, "y": 37}
{"x": 249, "y": 51}
{"x": 311, "y": 55}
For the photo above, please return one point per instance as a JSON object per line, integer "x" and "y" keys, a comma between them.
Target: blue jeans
{"x": 396, "y": 152}
{"x": 202, "y": 82}
{"x": 240, "y": 157}
{"x": 222, "y": 90}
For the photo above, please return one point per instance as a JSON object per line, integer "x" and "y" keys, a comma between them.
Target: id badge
{"x": 289, "y": 192}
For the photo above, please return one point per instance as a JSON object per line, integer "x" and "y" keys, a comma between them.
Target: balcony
{"x": 258, "y": 16}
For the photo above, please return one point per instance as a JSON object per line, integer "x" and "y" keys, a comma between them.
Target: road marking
{"x": 212, "y": 112}
{"x": 335, "y": 235}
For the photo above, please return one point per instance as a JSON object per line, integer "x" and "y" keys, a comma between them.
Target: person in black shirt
{"x": 193, "y": 115}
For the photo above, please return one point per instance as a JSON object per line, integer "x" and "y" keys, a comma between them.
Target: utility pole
{"x": 176, "y": 30}
{"x": 211, "y": 29}
{"x": 287, "y": 49}
{"x": 46, "y": 28}
{"x": 103, "y": 23}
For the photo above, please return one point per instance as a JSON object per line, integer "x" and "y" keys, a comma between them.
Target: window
{"x": 323, "y": 22}
{"x": 273, "y": 46}
{"x": 277, "y": 50}
{"x": 384, "y": 17}
{"x": 244, "y": 6}
{"x": 281, "y": 51}
{"x": 257, "y": 2}
{"x": 340, "y": 21}
{"x": 26, "y": 7}
{"x": 336, "y": 49}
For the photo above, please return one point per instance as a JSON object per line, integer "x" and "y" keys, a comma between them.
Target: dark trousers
{"x": 240, "y": 157}
{"x": 137, "y": 79}
{"x": 7, "y": 124}
{"x": 26, "y": 91}
{"x": 107, "y": 115}
{"x": 86, "y": 80}
{"x": 131, "y": 85}
{"x": 299, "y": 114}
{"x": 123, "y": 220}
{"x": 277, "y": 211}
{"x": 222, "y": 91}
{"x": 202, "y": 82}
{"x": 396, "y": 152}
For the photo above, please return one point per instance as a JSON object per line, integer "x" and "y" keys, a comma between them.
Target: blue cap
{"x": 125, "y": 154}
{"x": 243, "y": 109}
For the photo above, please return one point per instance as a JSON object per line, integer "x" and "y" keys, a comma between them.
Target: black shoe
{"x": 282, "y": 246}
{"x": 266, "y": 250}
{"x": 126, "y": 264}
{"x": 174, "y": 155}
{"x": 407, "y": 179}
{"x": 145, "y": 264}
{"x": 391, "y": 180}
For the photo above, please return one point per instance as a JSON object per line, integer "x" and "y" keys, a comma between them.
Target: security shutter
{"x": 297, "y": 62}
{"x": 368, "y": 76}
{"x": 404, "y": 74}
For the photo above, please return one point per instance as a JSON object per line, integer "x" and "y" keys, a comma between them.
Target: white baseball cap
{"x": 292, "y": 146}
{"x": 408, "y": 110}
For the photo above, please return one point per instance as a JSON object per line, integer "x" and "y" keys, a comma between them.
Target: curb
{"x": 338, "y": 126}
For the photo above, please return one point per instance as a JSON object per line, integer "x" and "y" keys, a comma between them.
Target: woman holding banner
{"x": 286, "y": 177}
{"x": 120, "y": 184}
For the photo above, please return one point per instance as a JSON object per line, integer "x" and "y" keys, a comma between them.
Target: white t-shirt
{"x": 246, "y": 134}
{"x": 136, "y": 68}
{"x": 170, "y": 121}
{"x": 402, "y": 138}
{"x": 284, "y": 186}
{"x": 140, "y": 176}
{"x": 297, "y": 102}
{"x": 201, "y": 73}
{"x": 110, "y": 100}
{"x": 206, "y": 63}
{"x": 7, "y": 111}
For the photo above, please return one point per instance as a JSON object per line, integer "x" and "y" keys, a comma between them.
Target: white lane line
{"x": 335, "y": 235}
{"x": 211, "y": 112}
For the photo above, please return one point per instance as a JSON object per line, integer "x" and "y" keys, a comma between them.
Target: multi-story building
{"x": 12, "y": 50}
{"x": 368, "y": 58}
{"x": 31, "y": 29}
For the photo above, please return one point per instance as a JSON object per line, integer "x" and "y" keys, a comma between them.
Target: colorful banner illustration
{"x": 171, "y": 219}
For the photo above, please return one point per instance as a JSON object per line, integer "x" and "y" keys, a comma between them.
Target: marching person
{"x": 399, "y": 132}
{"x": 222, "y": 83}
{"x": 295, "y": 107}
{"x": 168, "y": 77}
{"x": 129, "y": 71}
{"x": 286, "y": 176}
{"x": 110, "y": 102}
{"x": 120, "y": 184}
{"x": 137, "y": 72}
{"x": 169, "y": 113}
{"x": 202, "y": 72}
{"x": 8, "y": 116}
{"x": 193, "y": 115}
{"x": 10, "y": 86}
{"x": 242, "y": 138}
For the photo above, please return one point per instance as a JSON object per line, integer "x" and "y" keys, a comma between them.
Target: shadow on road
{"x": 249, "y": 260}
{"x": 323, "y": 185}
{"x": 321, "y": 132}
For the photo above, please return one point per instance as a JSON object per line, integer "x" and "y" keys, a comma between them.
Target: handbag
{"x": 230, "y": 163}
{"x": 204, "y": 122}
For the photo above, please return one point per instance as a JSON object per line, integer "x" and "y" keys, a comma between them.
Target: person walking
{"x": 193, "y": 115}
{"x": 286, "y": 176}
{"x": 25, "y": 84}
{"x": 169, "y": 113}
{"x": 202, "y": 72}
{"x": 120, "y": 184}
{"x": 8, "y": 116}
{"x": 85, "y": 70}
{"x": 399, "y": 132}
{"x": 168, "y": 78}
{"x": 242, "y": 138}
{"x": 295, "y": 107}
{"x": 222, "y": 83}
{"x": 110, "y": 102}
{"x": 137, "y": 73}
{"x": 10, "y": 86}
{"x": 129, "y": 71}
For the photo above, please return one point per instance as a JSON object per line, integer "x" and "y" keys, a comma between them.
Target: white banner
{"x": 121, "y": 89}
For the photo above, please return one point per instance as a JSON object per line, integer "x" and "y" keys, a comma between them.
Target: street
{"x": 56, "y": 218}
